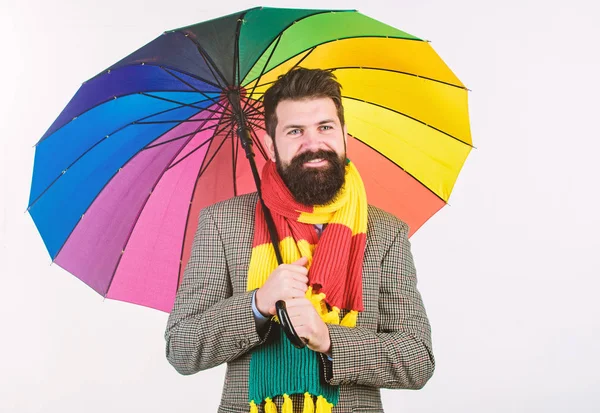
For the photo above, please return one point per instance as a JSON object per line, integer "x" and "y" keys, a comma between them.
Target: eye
{"x": 326, "y": 127}
{"x": 294, "y": 132}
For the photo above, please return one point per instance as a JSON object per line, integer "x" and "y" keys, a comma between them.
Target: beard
{"x": 313, "y": 186}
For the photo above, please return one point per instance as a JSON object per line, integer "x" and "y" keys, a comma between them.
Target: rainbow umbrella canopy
{"x": 121, "y": 175}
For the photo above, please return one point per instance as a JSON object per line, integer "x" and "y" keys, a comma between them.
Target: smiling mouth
{"x": 317, "y": 161}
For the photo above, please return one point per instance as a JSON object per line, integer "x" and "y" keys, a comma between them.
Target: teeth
{"x": 315, "y": 160}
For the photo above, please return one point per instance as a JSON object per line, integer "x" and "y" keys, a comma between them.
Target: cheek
{"x": 290, "y": 150}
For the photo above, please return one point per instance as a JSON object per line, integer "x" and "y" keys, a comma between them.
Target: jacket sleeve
{"x": 399, "y": 353}
{"x": 209, "y": 325}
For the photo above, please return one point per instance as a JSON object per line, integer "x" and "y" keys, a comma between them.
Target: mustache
{"x": 309, "y": 156}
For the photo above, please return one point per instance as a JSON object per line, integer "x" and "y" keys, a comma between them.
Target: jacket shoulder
{"x": 384, "y": 228}
{"x": 241, "y": 204}
{"x": 384, "y": 221}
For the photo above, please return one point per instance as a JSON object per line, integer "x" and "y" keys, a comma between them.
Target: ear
{"x": 345, "y": 129}
{"x": 270, "y": 146}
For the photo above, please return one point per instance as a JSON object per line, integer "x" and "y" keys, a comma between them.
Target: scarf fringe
{"x": 323, "y": 406}
{"x": 270, "y": 406}
{"x": 350, "y": 319}
{"x": 309, "y": 404}
{"x": 287, "y": 406}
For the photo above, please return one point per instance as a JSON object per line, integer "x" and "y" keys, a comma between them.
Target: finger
{"x": 300, "y": 277}
{"x": 297, "y": 320}
{"x": 298, "y": 302}
{"x": 299, "y": 274}
{"x": 298, "y": 286}
{"x": 303, "y": 330}
{"x": 293, "y": 294}
{"x": 301, "y": 333}
{"x": 294, "y": 269}
{"x": 302, "y": 261}
{"x": 298, "y": 316}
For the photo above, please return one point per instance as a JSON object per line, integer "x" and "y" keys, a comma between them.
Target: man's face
{"x": 309, "y": 149}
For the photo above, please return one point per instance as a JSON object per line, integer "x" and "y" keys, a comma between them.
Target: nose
{"x": 311, "y": 140}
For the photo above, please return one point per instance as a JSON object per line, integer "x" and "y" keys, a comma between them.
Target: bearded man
{"x": 348, "y": 281}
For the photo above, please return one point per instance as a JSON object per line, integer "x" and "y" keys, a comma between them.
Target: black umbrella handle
{"x": 246, "y": 141}
{"x": 287, "y": 326}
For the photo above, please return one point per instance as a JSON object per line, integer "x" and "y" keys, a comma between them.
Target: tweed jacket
{"x": 212, "y": 320}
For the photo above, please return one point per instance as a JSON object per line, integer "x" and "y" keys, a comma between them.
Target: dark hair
{"x": 300, "y": 83}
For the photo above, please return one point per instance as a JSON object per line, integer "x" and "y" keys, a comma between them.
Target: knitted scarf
{"x": 277, "y": 368}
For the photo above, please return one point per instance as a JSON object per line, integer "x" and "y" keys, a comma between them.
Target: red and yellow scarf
{"x": 334, "y": 263}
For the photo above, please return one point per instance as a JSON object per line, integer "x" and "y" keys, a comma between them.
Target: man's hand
{"x": 308, "y": 324}
{"x": 288, "y": 281}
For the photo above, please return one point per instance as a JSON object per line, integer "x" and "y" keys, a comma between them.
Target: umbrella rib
{"x": 234, "y": 146}
{"x": 256, "y": 125}
{"x": 155, "y": 65}
{"x": 262, "y": 72}
{"x": 265, "y": 84}
{"x": 96, "y": 144}
{"x": 179, "y": 102}
{"x": 336, "y": 40}
{"x": 142, "y": 208}
{"x": 258, "y": 115}
{"x": 100, "y": 191}
{"x": 181, "y": 137}
{"x": 270, "y": 83}
{"x": 113, "y": 98}
{"x": 236, "y": 81}
{"x": 405, "y": 171}
{"x": 236, "y": 53}
{"x": 252, "y": 105}
{"x": 201, "y": 145}
{"x": 295, "y": 65}
{"x": 256, "y": 121}
{"x": 259, "y": 144}
{"x": 188, "y": 105}
{"x": 332, "y": 69}
{"x": 160, "y": 122}
{"x": 295, "y": 22}
{"x": 303, "y": 57}
{"x": 196, "y": 90}
{"x": 398, "y": 72}
{"x": 189, "y": 212}
{"x": 257, "y": 140}
{"x": 410, "y": 117}
{"x": 209, "y": 62}
{"x": 216, "y": 151}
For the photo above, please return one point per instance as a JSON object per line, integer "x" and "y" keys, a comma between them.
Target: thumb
{"x": 301, "y": 261}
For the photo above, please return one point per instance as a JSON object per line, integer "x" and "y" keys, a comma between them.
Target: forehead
{"x": 305, "y": 111}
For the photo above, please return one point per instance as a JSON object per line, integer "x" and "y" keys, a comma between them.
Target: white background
{"x": 509, "y": 272}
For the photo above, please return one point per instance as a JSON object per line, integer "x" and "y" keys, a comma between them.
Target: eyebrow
{"x": 323, "y": 122}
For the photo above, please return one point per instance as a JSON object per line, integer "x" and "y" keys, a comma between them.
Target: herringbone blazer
{"x": 212, "y": 320}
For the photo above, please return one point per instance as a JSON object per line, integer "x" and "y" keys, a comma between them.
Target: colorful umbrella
{"x": 121, "y": 175}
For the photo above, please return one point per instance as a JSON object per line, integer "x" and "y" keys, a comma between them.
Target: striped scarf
{"x": 335, "y": 259}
